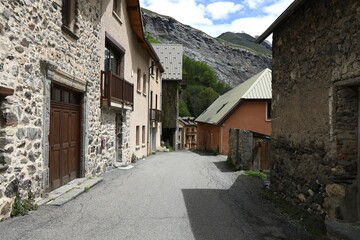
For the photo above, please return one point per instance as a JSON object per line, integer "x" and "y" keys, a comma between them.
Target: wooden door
{"x": 64, "y": 137}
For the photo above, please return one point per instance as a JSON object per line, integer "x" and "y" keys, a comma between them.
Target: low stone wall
{"x": 241, "y": 145}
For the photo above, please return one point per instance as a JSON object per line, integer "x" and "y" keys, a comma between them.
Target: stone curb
{"x": 70, "y": 191}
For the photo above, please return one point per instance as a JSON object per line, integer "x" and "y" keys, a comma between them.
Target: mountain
{"x": 233, "y": 63}
{"x": 246, "y": 41}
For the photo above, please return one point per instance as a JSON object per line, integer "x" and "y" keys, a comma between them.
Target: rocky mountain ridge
{"x": 232, "y": 64}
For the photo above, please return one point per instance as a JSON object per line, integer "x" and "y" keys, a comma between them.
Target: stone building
{"x": 171, "y": 57}
{"x": 316, "y": 79}
{"x": 55, "y": 125}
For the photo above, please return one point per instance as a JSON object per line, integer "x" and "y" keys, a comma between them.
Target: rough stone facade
{"x": 34, "y": 54}
{"x": 249, "y": 150}
{"x": 316, "y": 74}
{"x": 241, "y": 145}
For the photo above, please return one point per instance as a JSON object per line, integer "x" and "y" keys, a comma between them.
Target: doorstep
{"x": 69, "y": 191}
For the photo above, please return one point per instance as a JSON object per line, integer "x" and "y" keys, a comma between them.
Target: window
{"x": 69, "y": 16}
{"x": 137, "y": 135}
{"x": 268, "y": 111}
{"x": 144, "y": 84}
{"x": 117, "y": 7}
{"x": 156, "y": 101}
{"x": 114, "y": 57}
{"x": 143, "y": 135}
{"x": 139, "y": 80}
{"x": 157, "y": 74}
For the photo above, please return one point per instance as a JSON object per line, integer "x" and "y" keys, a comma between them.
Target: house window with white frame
{"x": 138, "y": 84}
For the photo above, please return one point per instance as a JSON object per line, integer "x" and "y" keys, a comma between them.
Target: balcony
{"x": 155, "y": 115}
{"x": 116, "y": 91}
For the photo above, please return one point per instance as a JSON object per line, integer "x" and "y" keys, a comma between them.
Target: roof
{"x": 136, "y": 22}
{"x": 171, "y": 57}
{"x": 281, "y": 19}
{"x": 256, "y": 87}
{"x": 187, "y": 121}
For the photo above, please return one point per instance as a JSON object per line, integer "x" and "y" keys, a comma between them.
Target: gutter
{"x": 281, "y": 19}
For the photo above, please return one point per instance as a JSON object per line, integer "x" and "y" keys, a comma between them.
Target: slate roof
{"x": 171, "y": 58}
{"x": 256, "y": 87}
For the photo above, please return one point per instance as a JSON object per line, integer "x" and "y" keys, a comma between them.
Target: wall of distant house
{"x": 249, "y": 115}
{"x": 208, "y": 137}
{"x": 316, "y": 72}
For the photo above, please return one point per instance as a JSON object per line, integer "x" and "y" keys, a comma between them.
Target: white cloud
{"x": 201, "y": 14}
{"x": 252, "y": 4}
{"x": 277, "y": 8}
{"x": 221, "y": 10}
{"x": 185, "y": 11}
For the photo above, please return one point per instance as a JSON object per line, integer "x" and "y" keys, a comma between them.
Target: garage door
{"x": 64, "y": 138}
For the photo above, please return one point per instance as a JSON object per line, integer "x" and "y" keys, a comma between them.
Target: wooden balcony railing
{"x": 155, "y": 115}
{"x": 116, "y": 89}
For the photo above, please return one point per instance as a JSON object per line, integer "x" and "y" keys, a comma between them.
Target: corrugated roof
{"x": 256, "y": 87}
{"x": 171, "y": 58}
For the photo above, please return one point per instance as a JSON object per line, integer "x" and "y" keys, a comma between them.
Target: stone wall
{"x": 316, "y": 67}
{"x": 31, "y": 42}
{"x": 241, "y": 145}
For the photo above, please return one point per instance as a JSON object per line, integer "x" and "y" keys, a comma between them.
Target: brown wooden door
{"x": 64, "y": 138}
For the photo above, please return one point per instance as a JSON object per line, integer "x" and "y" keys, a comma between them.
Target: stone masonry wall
{"x": 241, "y": 145}
{"x": 316, "y": 60}
{"x": 30, "y": 34}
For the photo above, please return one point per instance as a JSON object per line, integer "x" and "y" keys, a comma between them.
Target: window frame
{"x": 138, "y": 81}
{"x": 69, "y": 17}
{"x": 115, "y": 47}
{"x": 143, "y": 136}
{"x": 144, "y": 84}
{"x": 268, "y": 112}
{"x": 117, "y": 8}
{"x": 137, "y": 137}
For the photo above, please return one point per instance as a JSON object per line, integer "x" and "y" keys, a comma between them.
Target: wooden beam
{"x": 4, "y": 91}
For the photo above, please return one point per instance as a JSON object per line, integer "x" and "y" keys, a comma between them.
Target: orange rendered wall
{"x": 249, "y": 115}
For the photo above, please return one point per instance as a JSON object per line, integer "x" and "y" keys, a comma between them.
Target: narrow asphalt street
{"x": 177, "y": 195}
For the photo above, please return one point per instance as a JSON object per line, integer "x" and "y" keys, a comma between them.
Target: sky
{"x": 215, "y": 17}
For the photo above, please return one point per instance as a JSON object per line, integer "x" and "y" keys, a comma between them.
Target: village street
{"x": 177, "y": 195}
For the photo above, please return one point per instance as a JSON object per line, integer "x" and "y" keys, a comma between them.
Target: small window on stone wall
{"x": 69, "y": 17}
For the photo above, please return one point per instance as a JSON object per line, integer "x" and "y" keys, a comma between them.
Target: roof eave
{"x": 136, "y": 22}
{"x": 280, "y": 20}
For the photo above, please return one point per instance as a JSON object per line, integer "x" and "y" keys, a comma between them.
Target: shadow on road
{"x": 223, "y": 166}
{"x": 236, "y": 213}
